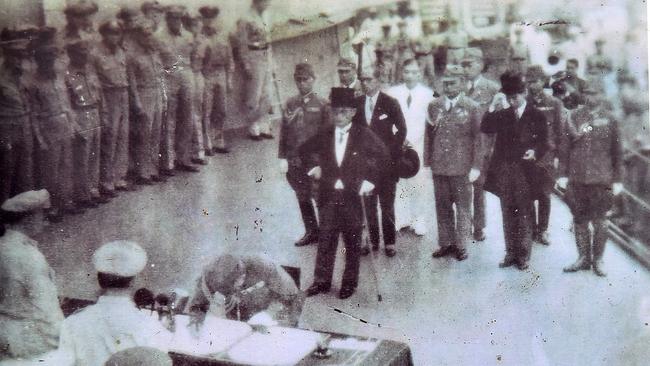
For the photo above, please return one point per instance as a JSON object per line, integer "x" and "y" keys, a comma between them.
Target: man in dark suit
{"x": 351, "y": 162}
{"x": 521, "y": 140}
{"x": 384, "y": 116}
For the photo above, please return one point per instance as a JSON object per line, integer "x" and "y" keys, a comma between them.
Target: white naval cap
{"x": 28, "y": 201}
{"x": 120, "y": 258}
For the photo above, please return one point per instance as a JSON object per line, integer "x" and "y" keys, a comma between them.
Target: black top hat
{"x": 342, "y": 98}
{"x": 512, "y": 83}
{"x": 408, "y": 163}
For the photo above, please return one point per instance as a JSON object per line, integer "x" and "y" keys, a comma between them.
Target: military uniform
{"x": 217, "y": 68}
{"x": 254, "y": 54}
{"x": 481, "y": 90}
{"x": 178, "y": 122}
{"x": 347, "y": 64}
{"x": 303, "y": 117}
{"x": 143, "y": 68}
{"x": 453, "y": 147}
{"x": 85, "y": 98}
{"x": 110, "y": 65}
{"x": 197, "y": 60}
{"x": 16, "y": 132}
{"x": 593, "y": 162}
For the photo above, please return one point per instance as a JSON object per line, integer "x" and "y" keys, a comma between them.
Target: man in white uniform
{"x": 414, "y": 98}
{"x": 114, "y": 323}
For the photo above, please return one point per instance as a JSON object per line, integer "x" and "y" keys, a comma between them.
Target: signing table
{"x": 227, "y": 342}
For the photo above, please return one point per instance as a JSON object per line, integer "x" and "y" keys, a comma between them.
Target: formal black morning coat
{"x": 513, "y": 138}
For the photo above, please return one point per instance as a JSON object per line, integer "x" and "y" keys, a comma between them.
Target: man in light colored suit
{"x": 413, "y": 98}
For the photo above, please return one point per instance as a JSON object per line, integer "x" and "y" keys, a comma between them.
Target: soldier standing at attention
{"x": 254, "y": 56}
{"x": 453, "y": 150}
{"x": 197, "y": 59}
{"x": 16, "y": 137}
{"x": 79, "y": 22}
{"x": 84, "y": 91}
{"x": 109, "y": 61}
{"x": 591, "y": 171}
{"x": 176, "y": 48}
{"x": 217, "y": 71}
{"x": 554, "y": 113}
{"x": 347, "y": 70}
{"x": 304, "y": 114}
{"x": 53, "y": 120}
{"x": 146, "y": 101}
{"x": 154, "y": 12}
{"x": 481, "y": 90}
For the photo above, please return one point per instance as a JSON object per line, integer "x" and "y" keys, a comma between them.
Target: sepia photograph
{"x": 334, "y": 182}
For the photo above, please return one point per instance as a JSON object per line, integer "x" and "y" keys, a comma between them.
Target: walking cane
{"x": 365, "y": 241}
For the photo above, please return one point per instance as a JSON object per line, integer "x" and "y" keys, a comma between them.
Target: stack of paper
{"x": 214, "y": 336}
{"x": 280, "y": 346}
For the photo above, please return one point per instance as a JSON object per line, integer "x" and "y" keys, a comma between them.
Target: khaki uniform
{"x": 197, "y": 61}
{"x": 16, "y": 137}
{"x": 111, "y": 71}
{"x": 57, "y": 126}
{"x": 218, "y": 64}
{"x": 452, "y": 147}
{"x": 85, "y": 97}
{"x": 178, "y": 124}
{"x": 143, "y": 68}
{"x": 254, "y": 53}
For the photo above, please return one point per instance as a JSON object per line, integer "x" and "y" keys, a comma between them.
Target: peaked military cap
{"x": 453, "y": 72}
{"x": 120, "y": 258}
{"x": 346, "y": 63}
{"x": 81, "y": 8}
{"x": 304, "y": 69}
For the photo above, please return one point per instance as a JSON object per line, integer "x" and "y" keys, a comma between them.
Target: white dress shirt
{"x": 520, "y": 110}
{"x": 451, "y": 103}
{"x": 370, "y": 107}
{"x": 341, "y": 135}
{"x": 113, "y": 324}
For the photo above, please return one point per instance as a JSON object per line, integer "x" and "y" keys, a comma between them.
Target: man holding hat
{"x": 383, "y": 115}
{"x": 109, "y": 61}
{"x": 556, "y": 117}
{"x": 347, "y": 70}
{"x": 16, "y": 138}
{"x": 30, "y": 316}
{"x": 254, "y": 55}
{"x": 521, "y": 141}
{"x": 114, "y": 323}
{"x": 452, "y": 148}
{"x": 481, "y": 90}
{"x": 304, "y": 115}
{"x": 351, "y": 160}
{"x": 54, "y": 124}
{"x": 591, "y": 170}
{"x": 85, "y": 99}
{"x": 218, "y": 69}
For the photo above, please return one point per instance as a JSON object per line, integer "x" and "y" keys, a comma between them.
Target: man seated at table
{"x": 237, "y": 287}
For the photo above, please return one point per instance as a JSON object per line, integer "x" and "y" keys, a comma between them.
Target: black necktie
{"x": 409, "y": 100}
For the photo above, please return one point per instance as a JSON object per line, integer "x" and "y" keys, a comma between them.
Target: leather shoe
{"x": 507, "y": 262}
{"x": 188, "y": 168}
{"x": 101, "y": 199}
{"x": 255, "y": 137}
{"x": 221, "y": 150}
{"x": 596, "y": 266}
{"x": 199, "y": 161}
{"x": 390, "y": 251}
{"x": 167, "y": 172}
{"x": 443, "y": 252}
{"x": 479, "y": 235}
{"x": 158, "y": 178}
{"x": 110, "y": 193}
{"x": 143, "y": 181}
{"x": 87, "y": 204}
{"x": 522, "y": 265}
{"x": 375, "y": 246}
{"x": 310, "y": 237}
{"x": 267, "y": 136}
{"x": 317, "y": 288}
{"x": 542, "y": 238}
{"x": 461, "y": 255}
{"x": 365, "y": 250}
{"x": 346, "y": 291}
{"x": 54, "y": 217}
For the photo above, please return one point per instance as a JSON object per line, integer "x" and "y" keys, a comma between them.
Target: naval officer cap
{"x": 26, "y": 202}
{"x": 304, "y": 70}
{"x": 120, "y": 258}
{"x": 453, "y": 72}
{"x": 346, "y": 63}
{"x": 82, "y": 8}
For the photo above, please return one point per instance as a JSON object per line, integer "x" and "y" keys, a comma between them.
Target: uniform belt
{"x": 263, "y": 47}
{"x": 84, "y": 107}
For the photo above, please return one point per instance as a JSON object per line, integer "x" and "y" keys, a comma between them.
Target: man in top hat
{"x": 146, "y": 102}
{"x": 350, "y": 164}
{"x": 383, "y": 115}
{"x": 452, "y": 148}
{"x": 179, "y": 125}
{"x": 239, "y": 288}
{"x": 480, "y": 89}
{"x": 109, "y": 61}
{"x": 521, "y": 141}
{"x": 591, "y": 169}
{"x": 556, "y": 117}
{"x": 54, "y": 123}
{"x": 217, "y": 70}
{"x": 30, "y": 320}
{"x": 83, "y": 89}
{"x": 304, "y": 115}
{"x": 16, "y": 137}
{"x": 114, "y": 323}
{"x": 413, "y": 98}
{"x": 253, "y": 53}
{"x": 347, "y": 70}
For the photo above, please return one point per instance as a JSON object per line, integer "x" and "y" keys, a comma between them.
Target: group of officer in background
{"x": 86, "y": 113}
